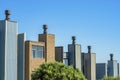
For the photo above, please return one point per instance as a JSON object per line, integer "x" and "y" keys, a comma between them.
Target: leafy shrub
{"x": 57, "y": 71}
{"x": 111, "y": 78}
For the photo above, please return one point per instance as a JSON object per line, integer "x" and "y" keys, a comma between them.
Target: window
{"x": 38, "y": 51}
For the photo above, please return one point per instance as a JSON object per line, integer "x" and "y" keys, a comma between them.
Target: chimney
{"x": 45, "y": 29}
{"x": 111, "y": 57}
{"x": 73, "y": 39}
{"x": 7, "y": 14}
{"x": 89, "y": 49}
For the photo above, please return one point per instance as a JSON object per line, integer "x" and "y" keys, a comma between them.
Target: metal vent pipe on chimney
{"x": 73, "y": 39}
{"x": 111, "y": 57}
{"x": 45, "y": 29}
{"x": 7, "y": 14}
{"x": 89, "y": 49}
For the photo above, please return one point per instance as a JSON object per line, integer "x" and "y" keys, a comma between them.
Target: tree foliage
{"x": 57, "y": 71}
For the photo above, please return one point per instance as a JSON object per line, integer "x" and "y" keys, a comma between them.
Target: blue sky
{"x": 93, "y": 22}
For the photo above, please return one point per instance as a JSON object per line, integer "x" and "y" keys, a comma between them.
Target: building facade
{"x": 113, "y": 69}
{"x": 72, "y": 57}
{"x": 34, "y": 56}
{"x": 21, "y": 56}
{"x": 101, "y": 70}
{"x": 86, "y": 62}
{"x": 59, "y": 53}
{"x": 74, "y": 52}
{"x": 89, "y": 64}
{"x": 109, "y": 69}
{"x": 118, "y": 69}
{"x": 8, "y": 48}
{"x": 38, "y": 52}
{"x": 61, "y": 56}
{"x": 66, "y": 58}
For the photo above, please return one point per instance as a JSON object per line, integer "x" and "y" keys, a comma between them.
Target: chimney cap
{"x": 45, "y": 27}
{"x": 7, "y": 13}
{"x": 111, "y": 57}
{"x": 89, "y": 49}
{"x": 73, "y": 39}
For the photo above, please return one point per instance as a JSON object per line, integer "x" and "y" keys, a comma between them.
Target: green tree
{"x": 56, "y": 71}
{"x": 111, "y": 78}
